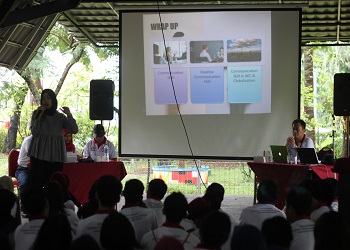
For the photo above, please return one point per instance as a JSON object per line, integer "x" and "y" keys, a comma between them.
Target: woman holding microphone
{"x": 47, "y": 150}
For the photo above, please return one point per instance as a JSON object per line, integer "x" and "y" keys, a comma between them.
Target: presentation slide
{"x": 216, "y": 63}
{"x": 207, "y": 84}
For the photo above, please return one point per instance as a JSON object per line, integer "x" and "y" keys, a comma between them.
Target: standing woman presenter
{"x": 47, "y": 150}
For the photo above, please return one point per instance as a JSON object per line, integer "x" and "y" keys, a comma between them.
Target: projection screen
{"x": 207, "y": 84}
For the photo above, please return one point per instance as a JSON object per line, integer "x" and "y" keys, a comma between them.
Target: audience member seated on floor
{"x": 331, "y": 232}
{"x": 54, "y": 234}
{"x": 277, "y": 232}
{"x": 198, "y": 209}
{"x": 84, "y": 242}
{"x": 266, "y": 195}
{"x": 117, "y": 232}
{"x": 144, "y": 219}
{"x": 298, "y": 204}
{"x": 214, "y": 231}
{"x": 7, "y": 183}
{"x": 69, "y": 200}
{"x": 35, "y": 204}
{"x": 247, "y": 237}
{"x": 215, "y": 194}
{"x": 54, "y": 196}
{"x": 8, "y": 223}
{"x": 155, "y": 193}
{"x": 175, "y": 209}
{"x": 108, "y": 190}
{"x": 322, "y": 196}
{"x": 91, "y": 206}
{"x": 334, "y": 186}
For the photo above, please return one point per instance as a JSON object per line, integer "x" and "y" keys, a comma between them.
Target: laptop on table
{"x": 279, "y": 153}
{"x": 307, "y": 156}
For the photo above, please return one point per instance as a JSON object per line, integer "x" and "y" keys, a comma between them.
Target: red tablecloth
{"x": 287, "y": 176}
{"x": 83, "y": 174}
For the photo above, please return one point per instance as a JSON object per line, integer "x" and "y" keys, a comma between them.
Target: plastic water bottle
{"x": 106, "y": 153}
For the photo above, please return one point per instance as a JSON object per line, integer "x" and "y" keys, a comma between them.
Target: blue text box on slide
{"x": 207, "y": 85}
{"x": 244, "y": 84}
{"x": 163, "y": 89}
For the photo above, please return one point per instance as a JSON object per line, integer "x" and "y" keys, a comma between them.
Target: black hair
{"x": 133, "y": 191}
{"x": 277, "y": 232}
{"x": 215, "y": 229}
{"x": 157, "y": 188}
{"x": 302, "y": 123}
{"x": 108, "y": 189}
{"x": 33, "y": 200}
{"x": 117, "y": 232}
{"x": 217, "y": 189}
{"x": 267, "y": 190}
{"x": 175, "y": 207}
{"x": 300, "y": 200}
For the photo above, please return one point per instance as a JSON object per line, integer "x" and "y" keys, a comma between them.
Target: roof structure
{"x": 24, "y": 24}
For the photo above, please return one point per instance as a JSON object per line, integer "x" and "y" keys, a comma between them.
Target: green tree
{"x": 42, "y": 67}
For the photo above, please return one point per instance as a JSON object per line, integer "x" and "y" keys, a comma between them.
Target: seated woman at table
{"x": 68, "y": 140}
{"x": 95, "y": 147}
{"x": 299, "y": 138}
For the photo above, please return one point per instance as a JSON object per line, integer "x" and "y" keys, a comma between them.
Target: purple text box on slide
{"x": 163, "y": 89}
{"x": 207, "y": 85}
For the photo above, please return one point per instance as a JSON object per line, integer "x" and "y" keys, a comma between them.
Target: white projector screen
{"x": 206, "y": 84}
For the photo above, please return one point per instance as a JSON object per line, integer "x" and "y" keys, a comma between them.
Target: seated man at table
{"x": 95, "y": 147}
{"x": 299, "y": 138}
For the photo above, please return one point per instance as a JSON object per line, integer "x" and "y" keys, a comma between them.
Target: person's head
{"x": 155, "y": 49}
{"x": 198, "y": 209}
{"x": 299, "y": 128}
{"x": 221, "y": 49}
{"x": 205, "y": 47}
{"x": 67, "y": 135}
{"x": 133, "y": 191}
{"x": 217, "y": 189}
{"x": 277, "y": 232}
{"x": 54, "y": 196}
{"x": 175, "y": 207}
{"x": 213, "y": 200}
{"x": 7, "y": 183}
{"x": 267, "y": 191}
{"x": 99, "y": 133}
{"x": 117, "y": 232}
{"x": 247, "y": 237}
{"x": 34, "y": 201}
{"x": 298, "y": 203}
{"x": 321, "y": 192}
{"x": 168, "y": 49}
{"x": 215, "y": 229}
{"x": 7, "y": 200}
{"x": 108, "y": 190}
{"x": 157, "y": 189}
{"x": 61, "y": 178}
{"x": 331, "y": 232}
{"x": 49, "y": 101}
{"x": 55, "y": 233}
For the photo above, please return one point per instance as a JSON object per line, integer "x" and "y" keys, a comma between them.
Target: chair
{"x": 12, "y": 165}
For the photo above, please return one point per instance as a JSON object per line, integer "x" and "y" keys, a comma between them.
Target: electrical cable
{"x": 177, "y": 104}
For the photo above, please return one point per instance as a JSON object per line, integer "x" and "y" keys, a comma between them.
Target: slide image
{"x": 244, "y": 50}
{"x": 207, "y": 51}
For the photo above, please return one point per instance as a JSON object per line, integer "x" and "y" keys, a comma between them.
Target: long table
{"x": 83, "y": 174}
{"x": 288, "y": 176}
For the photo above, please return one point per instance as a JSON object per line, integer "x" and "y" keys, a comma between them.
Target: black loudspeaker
{"x": 341, "y": 95}
{"x": 101, "y": 99}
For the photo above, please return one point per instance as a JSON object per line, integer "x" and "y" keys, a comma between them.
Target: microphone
{"x": 38, "y": 114}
